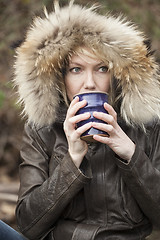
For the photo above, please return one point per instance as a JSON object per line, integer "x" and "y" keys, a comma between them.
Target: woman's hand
{"x": 118, "y": 141}
{"x": 76, "y": 147}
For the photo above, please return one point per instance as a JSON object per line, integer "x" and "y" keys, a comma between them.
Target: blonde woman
{"x": 69, "y": 189}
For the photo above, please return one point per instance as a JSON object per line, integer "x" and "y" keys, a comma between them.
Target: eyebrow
{"x": 77, "y": 63}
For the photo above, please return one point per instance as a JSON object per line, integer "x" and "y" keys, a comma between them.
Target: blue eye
{"x": 103, "y": 69}
{"x": 75, "y": 69}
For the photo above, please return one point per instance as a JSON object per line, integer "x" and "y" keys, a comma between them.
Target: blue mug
{"x": 95, "y": 102}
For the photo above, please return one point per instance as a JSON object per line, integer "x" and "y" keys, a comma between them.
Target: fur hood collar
{"x": 39, "y": 61}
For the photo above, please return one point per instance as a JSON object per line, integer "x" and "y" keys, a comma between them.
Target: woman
{"x": 70, "y": 189}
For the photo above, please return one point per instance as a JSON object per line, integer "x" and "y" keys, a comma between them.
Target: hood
{"x": 40, "y": 59}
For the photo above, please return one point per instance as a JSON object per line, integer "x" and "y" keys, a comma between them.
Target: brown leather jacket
{"x": 104, "y": 199}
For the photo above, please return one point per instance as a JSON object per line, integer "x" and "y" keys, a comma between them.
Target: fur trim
{"x": 48, "y": 42}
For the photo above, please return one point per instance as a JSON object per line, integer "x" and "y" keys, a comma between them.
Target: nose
{"x": 89, "y": 81}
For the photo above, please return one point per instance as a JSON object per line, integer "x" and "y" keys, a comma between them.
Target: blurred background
{"x": 15, "y": 17}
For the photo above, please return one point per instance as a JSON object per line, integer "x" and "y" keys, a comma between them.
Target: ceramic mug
{"x": 95, "y": 102}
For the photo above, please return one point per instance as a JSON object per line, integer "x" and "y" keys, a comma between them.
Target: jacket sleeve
{"x": 42, "y": 198}
{"x": 142, "y": 176}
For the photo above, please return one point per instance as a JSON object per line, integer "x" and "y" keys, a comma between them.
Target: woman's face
{"x": 86, "y": 74}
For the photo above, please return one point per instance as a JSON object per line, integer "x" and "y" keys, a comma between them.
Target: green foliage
{"x": 2, "y": 98}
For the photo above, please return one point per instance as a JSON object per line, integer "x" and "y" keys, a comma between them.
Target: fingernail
{"x": 95, "y": 113}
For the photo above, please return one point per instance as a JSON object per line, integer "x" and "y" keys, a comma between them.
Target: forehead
{"x": 84, "y": 58}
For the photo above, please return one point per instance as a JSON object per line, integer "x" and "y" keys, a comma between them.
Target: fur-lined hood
{"x": 39, "y": 62}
